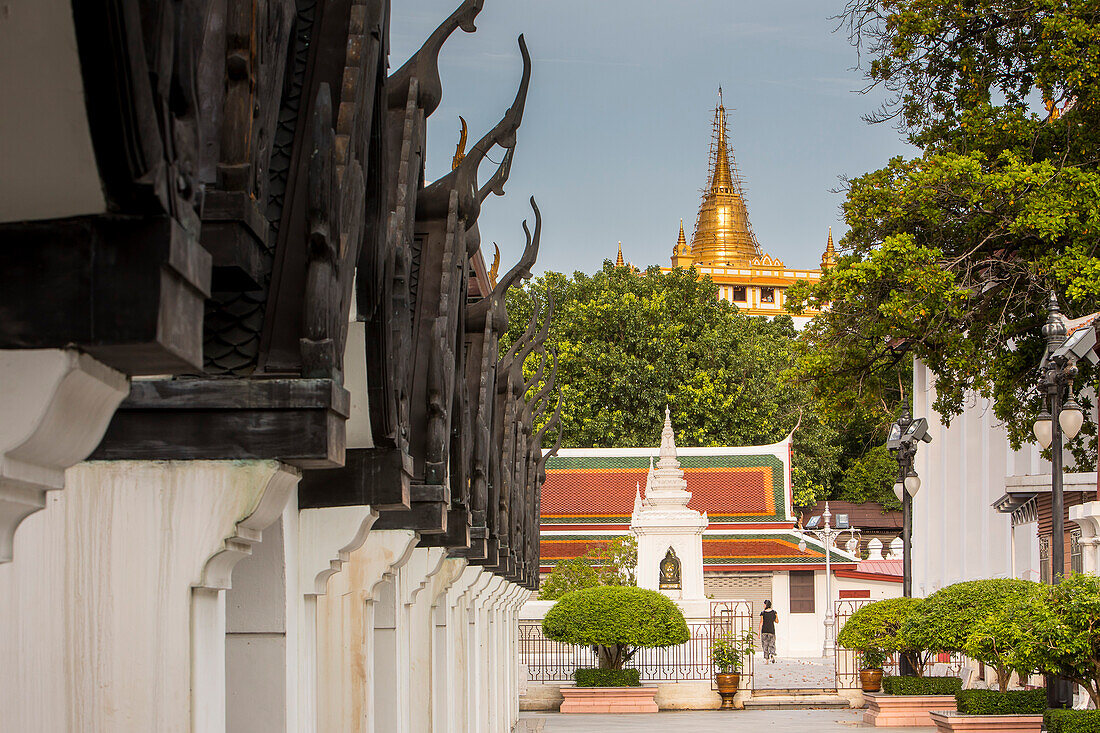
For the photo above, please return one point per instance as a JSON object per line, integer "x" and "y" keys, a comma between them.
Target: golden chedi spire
{"x": 619, "y": 260}
{"x": 723, "y": 232}
{"x": 681, "y": 253}
{"x": 828, "y": 258}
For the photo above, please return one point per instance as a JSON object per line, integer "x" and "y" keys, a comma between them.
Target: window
{"x": 1044, "y": 559}
{"x": 739, "y": 293}
{"x": 767, "y": 295}
{"x": 1076, "y": 564}
{"x": 802, "y": 591}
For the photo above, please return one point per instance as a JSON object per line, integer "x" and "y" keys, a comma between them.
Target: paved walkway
{"x": 705, "y": 721}
{"x": 788, "y": 672}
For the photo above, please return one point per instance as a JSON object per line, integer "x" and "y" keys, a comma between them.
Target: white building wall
{"x": 957, "y": 535}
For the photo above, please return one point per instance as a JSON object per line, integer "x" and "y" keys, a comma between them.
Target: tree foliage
{"x": 950, "y": 255}
{"x": 946, "y": 620}
{"x": 610, "y": 564}
{"x": 629, "y": 343}
{"x": 1063, "y": 637}
{"x": 879, "y": 626}
{"x": 618, "y": 620}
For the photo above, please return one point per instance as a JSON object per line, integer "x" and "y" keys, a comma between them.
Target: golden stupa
{"x": 724, "y": 246}
{"x": 723, "y": 234}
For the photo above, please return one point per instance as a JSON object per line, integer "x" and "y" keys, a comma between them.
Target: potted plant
{"x": 728, "y": 653}
{"x": 870, "y": 670}
{"x": 616, "y": 621}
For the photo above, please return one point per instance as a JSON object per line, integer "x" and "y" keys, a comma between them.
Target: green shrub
{"x": 1065, "y": 638}
{"x": 872, "y": 659}
{"x": 1072, "y": 721}
{"x": 617, "y": 620}
{"x": 879, "y": 626}
{"x": 977, "y": 617}
{"x": 993, "y": 702}
{"x": 894, "y": 685}
{"x": 595, "y": 677}
{"x": 729, "y": 651}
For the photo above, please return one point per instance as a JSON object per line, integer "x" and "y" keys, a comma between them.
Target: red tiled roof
{"x": 729, "y": 488}
{"x": 742, "y": 549}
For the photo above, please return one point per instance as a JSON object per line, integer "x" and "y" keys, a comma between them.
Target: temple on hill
{"x": 725, "y": 247}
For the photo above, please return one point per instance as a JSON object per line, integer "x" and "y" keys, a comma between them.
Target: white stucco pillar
{"x": 418, "y": 576}
{"x": 458, "y": 693}
{"x": 117, "y": 610}
{"x": 477, "y": 650}
{"x": 1087, "y": 517}
{"x": 327, "y": 537}
{"x": 443, "y": 632}
{"x": 356, "y": 635}
{"x": 55, "y": 405}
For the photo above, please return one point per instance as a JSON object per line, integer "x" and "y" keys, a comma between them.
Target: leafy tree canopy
{"x": 629, "y": 343}
{"x": 610, "y": 564}
{"x": 879, "y": 626}
{"x": 945, "y": 619}
{"x": 950, "y": 255}
{"x": 618, "y": 619}
{"x": 1065, "y": 636}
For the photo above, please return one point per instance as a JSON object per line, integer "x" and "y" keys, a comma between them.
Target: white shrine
{"x": 670, "y": 536}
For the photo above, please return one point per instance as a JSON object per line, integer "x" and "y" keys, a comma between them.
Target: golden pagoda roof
{"x": 828, "y": 258}
{"x": 723, "y": 233}
{"x": 619, "y": 260}
{"x": 681, "y": 243}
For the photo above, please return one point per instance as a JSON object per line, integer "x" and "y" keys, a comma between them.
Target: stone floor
{"x": 789, "y": 672}
{"x": 703, "y": 721}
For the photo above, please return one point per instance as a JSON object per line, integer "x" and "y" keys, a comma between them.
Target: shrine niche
{"x": 670, "y": 571}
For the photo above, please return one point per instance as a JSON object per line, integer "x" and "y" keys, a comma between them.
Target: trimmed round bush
{"x": 595, "y": 677}
{"x": 895, "y": 685}
{"x": 992, "y": 702}
{"x": 945, "y": 619}
{"x": 878, "y": 627}
{"x": 1072, "y": 721}
{"x": 616, "y": 619}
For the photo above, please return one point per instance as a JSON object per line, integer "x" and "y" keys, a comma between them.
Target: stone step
{"x": 820, "y": 699}
{"x": 801, "y": 702}
{"x": 792, "y": 691}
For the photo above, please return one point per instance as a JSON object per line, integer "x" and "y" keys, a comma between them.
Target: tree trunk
{"x": 1003, "y": 676}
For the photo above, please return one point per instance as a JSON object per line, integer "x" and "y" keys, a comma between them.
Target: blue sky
{"x": 617, "y": 125}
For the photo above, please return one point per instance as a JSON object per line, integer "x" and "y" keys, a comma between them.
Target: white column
{"x": 55, "y": 405}
{"x": 458, "y": 693}
{"x": 134, "y": 557}
{"x": 1087, "y": 517}
{"x": 358, "y": 599}
{"x": 419, "y": 575}
{"x": 327, "y": 537}
{"x": 476, "y": 651}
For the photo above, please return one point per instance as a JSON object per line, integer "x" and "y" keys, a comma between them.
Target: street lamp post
{"x": 905, "y": 434}
{"x": 827, "y": 535}
{"x": 1059, "y": 369}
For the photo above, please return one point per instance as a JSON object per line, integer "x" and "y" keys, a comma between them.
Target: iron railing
{"x": 848, "y": 662}
{"x": 552, "y": 661}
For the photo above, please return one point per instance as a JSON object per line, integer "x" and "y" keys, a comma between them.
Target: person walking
{"x": 768, "y": 617}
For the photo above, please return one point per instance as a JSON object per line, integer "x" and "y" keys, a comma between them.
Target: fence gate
{"x": 734, "y": 618}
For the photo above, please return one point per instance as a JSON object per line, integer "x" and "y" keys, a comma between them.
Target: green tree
{"x": 1064, "y": 637}
{"x": 629, "y": 343}
{"x": 946, "y": 619}
{"x": 610, "y": 564}
{"x": 950, "y": 255}
{"x": 880, "y": 626}
{"x": 618, "y": 620}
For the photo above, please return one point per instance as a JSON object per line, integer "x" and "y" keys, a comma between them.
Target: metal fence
{"x": 848, "y": 662}
{"x": 551, "y": 661}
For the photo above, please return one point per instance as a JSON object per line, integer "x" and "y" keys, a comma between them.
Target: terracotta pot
{"x": 727, "y": 687}
{"x": 870, "y": 679}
